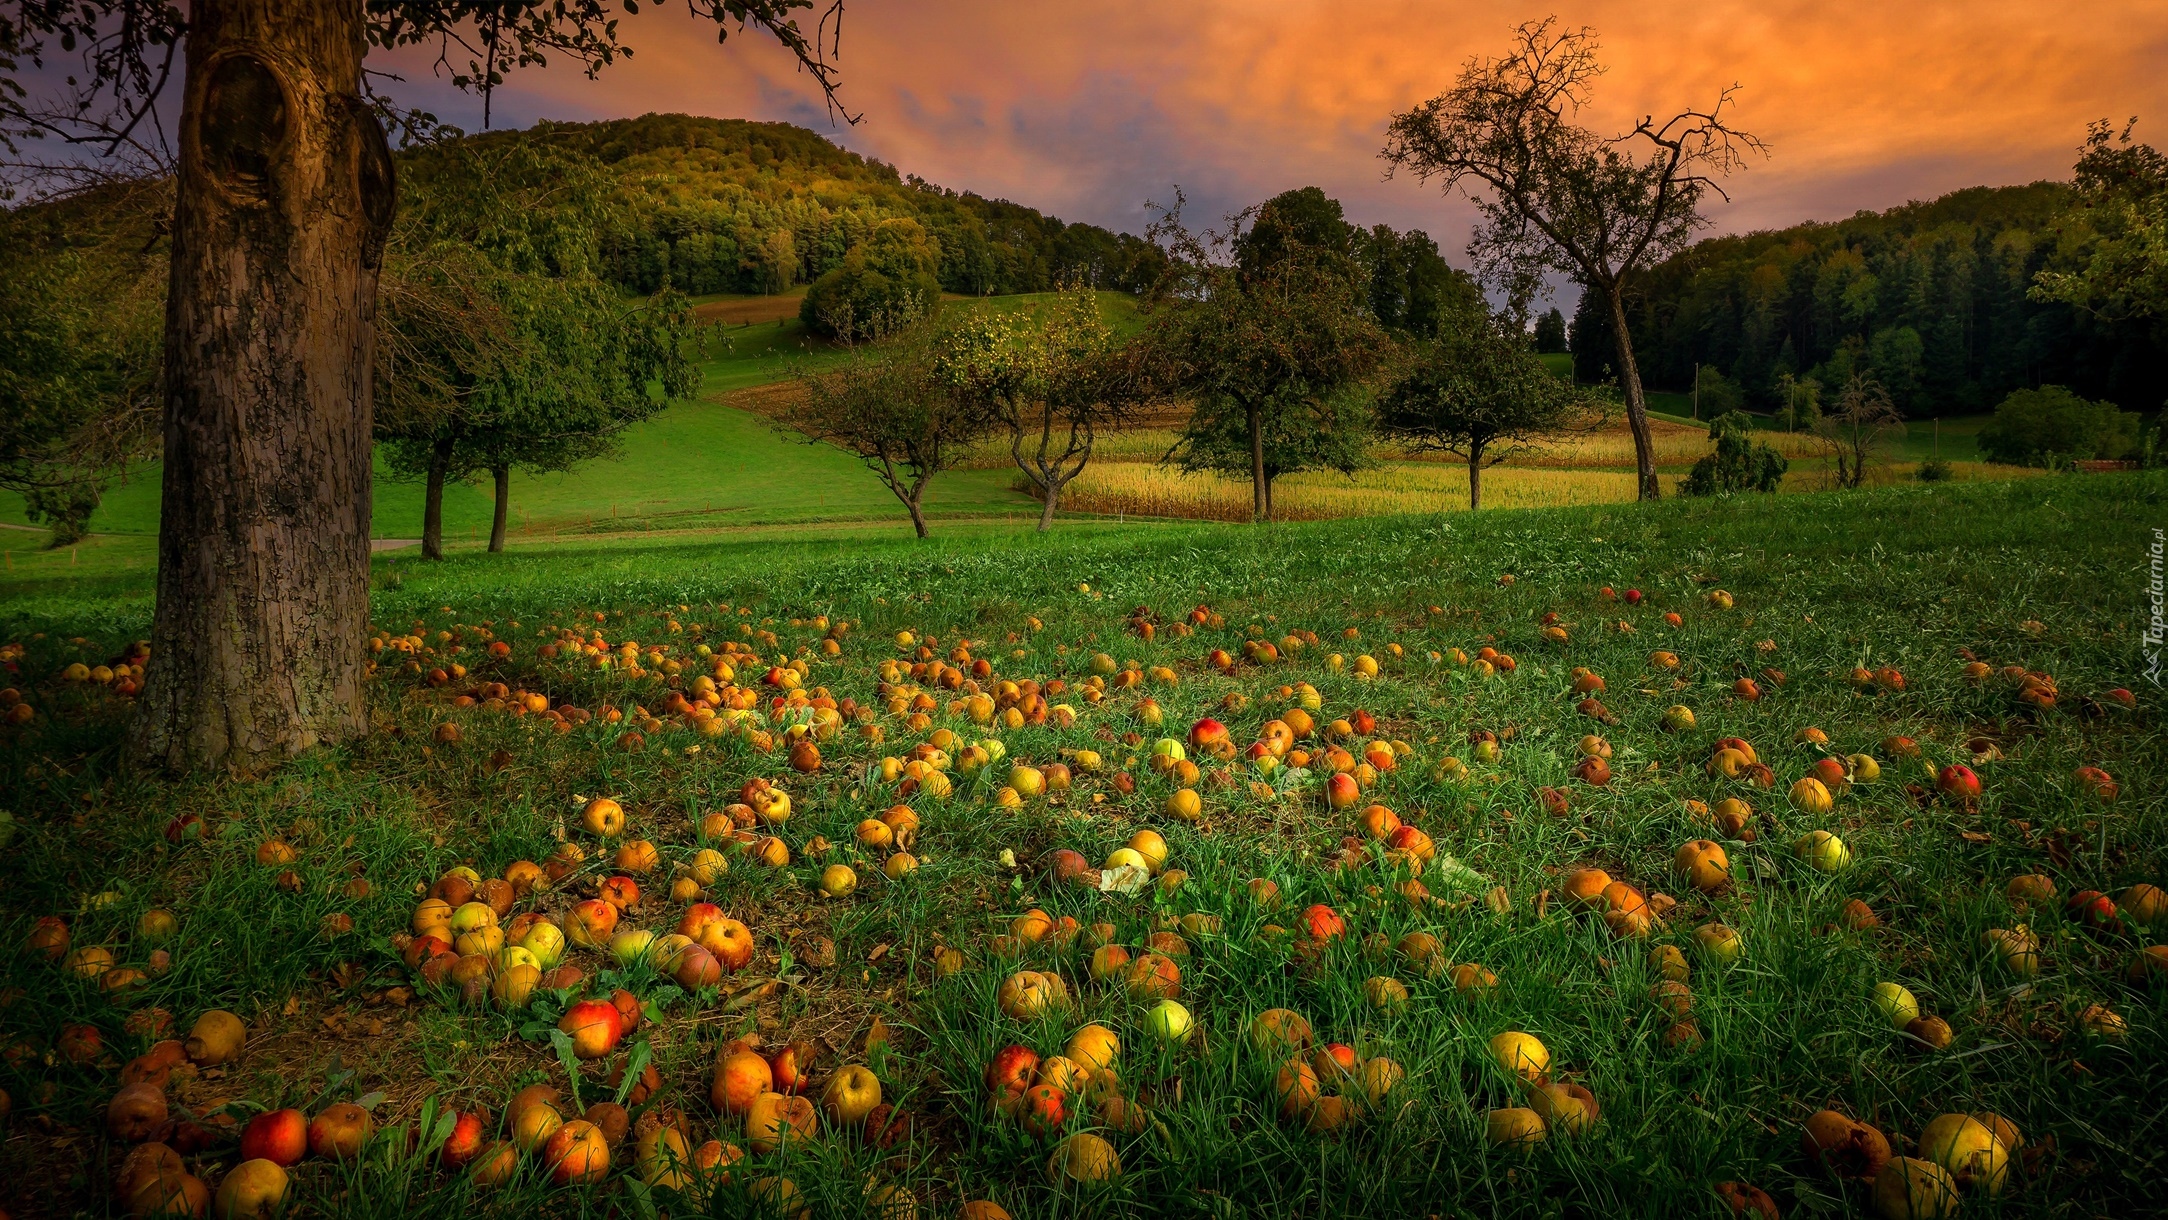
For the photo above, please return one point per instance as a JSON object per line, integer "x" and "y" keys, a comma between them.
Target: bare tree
{"x": 1556, "y": 196}
{"x": 1853, "y": 428}
{"x": 895, "y": 414}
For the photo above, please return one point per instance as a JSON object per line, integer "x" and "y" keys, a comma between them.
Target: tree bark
{"x": 1475, "y": 478}
{"x": 503, "y": 476}
{"x": 918, "y": 519}
{"x": 1637, "y": 410}
{"x": 440, "y": 465}
{"x": 1046, "y": 513}
{"x": 1260, "y": 492}
{"x": 283, "y": 199}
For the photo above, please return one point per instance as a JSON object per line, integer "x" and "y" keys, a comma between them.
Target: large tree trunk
{"x": 503, "y": 476}
{"x": 1475, "y": 478}
{"x": 1260, "y": 491}
{"x": 1637, "y": 409}
{"x": 284, "y": 197}
{"x": 440, "y": 466}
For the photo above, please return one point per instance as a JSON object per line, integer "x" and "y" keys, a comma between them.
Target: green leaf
{"x": 634, "y": 1064}
{"x": 563, "y": 1042}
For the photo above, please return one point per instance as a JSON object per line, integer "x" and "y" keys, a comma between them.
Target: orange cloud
{"x": 1088, "y": 110}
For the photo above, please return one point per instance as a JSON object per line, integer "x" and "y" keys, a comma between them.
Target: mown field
{"x": 1668, "y": 1064}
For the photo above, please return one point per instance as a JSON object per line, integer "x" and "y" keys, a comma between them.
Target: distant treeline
{"x": 725, "y": 205}
{"x": 1929, "y": 297}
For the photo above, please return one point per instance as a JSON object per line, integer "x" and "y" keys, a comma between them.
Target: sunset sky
{"x": 1090, "y": 110}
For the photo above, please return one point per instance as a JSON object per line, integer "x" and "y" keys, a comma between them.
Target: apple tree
{"x": 1479, "y": 391}
{"x": 1262, "y": 327}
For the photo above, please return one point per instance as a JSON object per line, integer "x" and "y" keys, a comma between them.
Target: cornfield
{"x": 1610, "y": 449}
{"x": 1144, "y": 489}
{"x": 1147, "y": 490}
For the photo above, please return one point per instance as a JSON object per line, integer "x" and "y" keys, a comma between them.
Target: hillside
{"x": 1932, "y": 296}
{"x": 726, "y": 205}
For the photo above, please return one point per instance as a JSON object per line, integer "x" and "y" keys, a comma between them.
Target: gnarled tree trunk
{"x": 284, "y": 197}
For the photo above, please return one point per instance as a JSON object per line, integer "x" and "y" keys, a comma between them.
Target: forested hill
{"x": 725, "y": 205}
{"x": 1930, "y": 297}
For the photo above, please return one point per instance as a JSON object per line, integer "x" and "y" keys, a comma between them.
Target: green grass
{"x": 2042, "y": 574}
{"x": 697, "y": 465}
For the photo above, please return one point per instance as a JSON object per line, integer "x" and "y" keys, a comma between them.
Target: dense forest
{"x": 726, "y": 205}
{"x": 1932, "y": 298}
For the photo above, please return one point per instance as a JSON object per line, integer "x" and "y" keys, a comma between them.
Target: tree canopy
{"x": 1266, "y": 335}
{"x": 1480, "y": 391}
{"x": 2049, "y": 424}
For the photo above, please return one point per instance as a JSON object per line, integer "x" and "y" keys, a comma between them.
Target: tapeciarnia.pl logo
{"x": 2156, "y": 588}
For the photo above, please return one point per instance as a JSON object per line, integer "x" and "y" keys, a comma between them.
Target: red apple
{"x": 1206, "y": 733}
{"x": 278, "y": 1136}
{"x": 1323, "y": 923}
{"x": 2093, "y": 909}
{"x": 1044, "y": 1110}
{"x": 697, "y": 917}
{"x": 1342, "y": 792}
{"x": 1633, "y": 597}
{"x": 1363, "y": 722}
{"x": 590, "y": 923}
{"x": 1010, "y": 1075}
{"x": 594, "y": 1026}
{"x": 730, "y": 941}
{"x": 465, "y": 1142}
{"x": 1959, "y": 781}
{"x": 577, "y": 1152}
{"x": 792, "y": 1067}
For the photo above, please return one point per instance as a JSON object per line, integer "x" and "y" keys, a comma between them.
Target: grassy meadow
{"x": 294, "y": 894}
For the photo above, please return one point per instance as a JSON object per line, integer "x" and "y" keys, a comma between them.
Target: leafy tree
{"x": 1739, "y": 463}
{"x": 1275, "y": 360}
{"x": 1411, "y": 288}
{"x": 502, "y": 347}
{"x": 1588, "y": 337}
{"x": 2116, "y": 230}
{"x": 1550, "y": 334}
{"x": 896, "y": 413}
{"x": 1854, "y": 427}
{"x": 1716, "y": 395}
{"x": 1053, "y": 381}
{"x": 1555, "y": 196}
{"x": 284, "y": 200}
{"x": 889, "y": 275}
{"x": 1799, "y": 400}
{"x": 1479, "y": 392}
{"x": 80, "y": 322}
{"x": 2038, "y": 427}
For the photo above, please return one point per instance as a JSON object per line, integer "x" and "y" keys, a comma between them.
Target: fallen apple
{"x": 1896, "y": 1004}
{"x": 852, "y": 1092}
